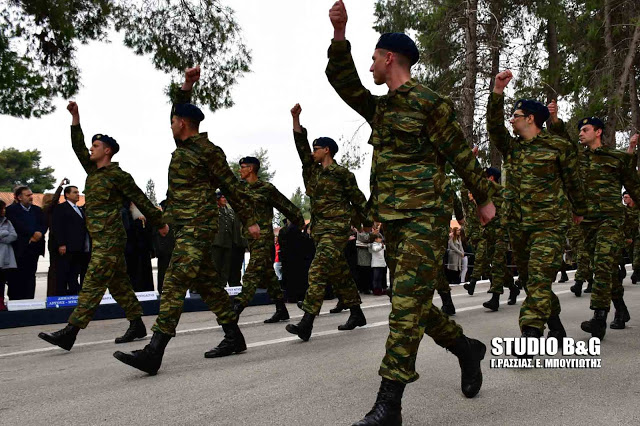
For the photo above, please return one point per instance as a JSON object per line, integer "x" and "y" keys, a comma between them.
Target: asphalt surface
{"x": 330, "y": 380}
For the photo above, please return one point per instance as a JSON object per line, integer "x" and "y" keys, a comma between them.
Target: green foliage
{"x": 263, "y": 173}
{"x": 23, "y": 168}
{"x": 303, "y": 202}
{"x": 39, "y": 39}
{"x": 151, "y": 192}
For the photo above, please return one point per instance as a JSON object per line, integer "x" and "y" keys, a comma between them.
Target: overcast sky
{"x": 122, "y": 95}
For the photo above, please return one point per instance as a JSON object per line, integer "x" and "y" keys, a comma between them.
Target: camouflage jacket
{"x": 631, "y": 223}
{"x": 604, "y": 172}
{"x": 541, "y": 173}
{"x": 472, "y": 228}
{"x": 106, "y": 190}
{"x": 414, "y": 133}
{"x": 452, "y": 199}
{"x": 197, "y": 168}
{"x": 333, "y": 192}
{"x": 273, "y": 199}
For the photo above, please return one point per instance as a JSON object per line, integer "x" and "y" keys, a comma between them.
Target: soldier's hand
{"x": 191, "y": 76}
{"x": 577, "y": 219}
{"x": 553, "y": 110}
{"x": 295, "y": 111}
{"x": 502, "y": 79}
{"x": 486, "y": 213}
{"x": 338, "y": 17}
{"x": 73, "y": 108}
{"x": 164, "y": 230}
{"x": 254, "y": 231}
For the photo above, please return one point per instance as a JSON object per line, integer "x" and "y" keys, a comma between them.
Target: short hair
{"x": 19, "y": 190}
{"x": 626, "y": 193}
{"x": 67, "y": 190}
{"x": 2, "y": 205}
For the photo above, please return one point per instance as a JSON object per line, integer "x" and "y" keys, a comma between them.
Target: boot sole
{"x": 131, "y": 362}
{"x": 120, "y": 340}
{"x": 343, "y": 328}
{"x": 222, "y": 355}
{"x": 48, "y": 339}
{"x": 494, "y": 309}
{"x": 292, "y": 329}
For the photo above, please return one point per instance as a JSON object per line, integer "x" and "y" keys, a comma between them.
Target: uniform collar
{"x": 193, "y": 138}
{"x": 406, "y": 87}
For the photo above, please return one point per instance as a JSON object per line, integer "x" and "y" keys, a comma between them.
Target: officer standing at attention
{"x": 106, "y": 188}
{"x": 335, "y": 198}
{"x": 605, "y": 171}
{"x": 413, "y": 132}
{"x": 197, "y": 168}
{"x": 543, "y": 174}
{"x": 260, "y": 272}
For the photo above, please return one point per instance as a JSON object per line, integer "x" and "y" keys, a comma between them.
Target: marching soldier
{"x": 106, "y": 189}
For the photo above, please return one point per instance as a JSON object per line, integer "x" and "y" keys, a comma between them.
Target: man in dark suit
{"x": 71, "y": 242}
{"x": 30, "y": 226}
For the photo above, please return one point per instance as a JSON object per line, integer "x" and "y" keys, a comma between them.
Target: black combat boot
{"x": 64, "y": 338}
{"x": 589, "y": 286}
{"x": 597, "y": 325}
{"x": 281, "y": 313}
{"x": 233, "y": 342}
{"x": 470, "y": 286}
{"x": 529, "y": 332}
{"x": 556, "y": 329}
{"x": 136, "y": 330}
{"x": 303, "y": 328}
{"x": 447, "y": 304}
{"x": 387, "y": 410}
{"x": 493, "y": 303}
{"x": 339, "y": 308}
{"x": 237, "y": 307}
{"x": 634, "y": 277}
{"x": 299, "y": 304}
{"x": 563, "y": 276}
{"x": 577, "y": 288}
{"x": 356, "y": 319}
{"x": 469, "y": 352}
{"x": 513, "y": 295}
{"x": 148, "y": 359}
{"x": 621, "y": 316}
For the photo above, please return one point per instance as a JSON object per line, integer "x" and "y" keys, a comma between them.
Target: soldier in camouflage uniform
{"x": 106, "y": 189}
{"x": 497, "y": 247}
{"x": 605, "y": 170}
{"x": 542, "y": 174}
{"x": 631, "y": 233}
{"x": 583, "y": 271}
{"x": 414, "y": 134}
{"x": 260, "y": 272}
{"x": 336, "y": 200}
{"x": 478, "y": 242}
{"x": 197, "y": 168}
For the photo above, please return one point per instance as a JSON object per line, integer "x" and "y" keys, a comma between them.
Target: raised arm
{"x": 183, "y": 96}
{"x": 285, "y": 206}
{"x": 498, "y": 133}
{"x": 302, "y": 145}
{"x": 77, "y": 139}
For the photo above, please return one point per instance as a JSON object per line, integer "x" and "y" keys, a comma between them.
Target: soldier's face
{"x": 98, "y": 151}
{"x": 245, "y": 171}
{"x": 319, "y": 153}
{"x": 379, "y": 66}
{"x": 177, "y": 126}
{"x": 520, "y": 121}
{"x": 626, "y": 198}
{"x": 588, "y": 134}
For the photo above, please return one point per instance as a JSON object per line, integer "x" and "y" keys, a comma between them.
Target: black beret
{"x": 492, "y": 171}
{"x": 399, "y": 43}
{"x": 108, "y": 140}
{"x": 530, "y": 106}
{"x": 188, "y": 111}
{"x": 250, "y": 160}
{"x": 594, "y": 121}
{"x": 325, "y": 142}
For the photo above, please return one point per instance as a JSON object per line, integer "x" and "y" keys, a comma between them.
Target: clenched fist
{"x": 502, "y": 80}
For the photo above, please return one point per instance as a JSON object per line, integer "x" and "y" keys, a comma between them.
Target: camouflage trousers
{"x": 538, "y": 255}
{"x": 579, "y": 255}
{"x": 329, "y": 266}
{"x": 107, "y": 270}
{"x": 603, "y": 241}
{"x": 442, "y": 284}
{"x": 415, "y": 248}
{"x": 260, "y": 272}
{"x": 481, "y": 257}
{"x": 192, "y": 267}
{"x": 635, "y": 258}
{"x": 497, "y": 241}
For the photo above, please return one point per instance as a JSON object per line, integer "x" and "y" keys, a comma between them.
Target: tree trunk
{"x": 610, "y": 137}
{"x": 471, "y": 69}
{"x": 495, "y": 31}
{"x": 553, "y": 72}
{"x": 634, "y": 101}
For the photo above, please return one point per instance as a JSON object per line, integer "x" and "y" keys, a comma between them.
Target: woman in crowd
{"x": 378, "y": 265}
{"x": 456, "y": 254}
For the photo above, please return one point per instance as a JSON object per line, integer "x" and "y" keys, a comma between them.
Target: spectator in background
{"x": 378, "y": 265}
{"x": 7, "y": 258}
{"x": 277, "y": 265}
{"x": 29, "y": 223}
{"x": 139, "y": 249}
{"x": 238, "y": 249}
{"x": 364, "y": 262}
{"x": 456, "y": 253}
{"x": 70, "y": 240}
{"x": 163, "y": 247}
{"x": 49, "y": 202}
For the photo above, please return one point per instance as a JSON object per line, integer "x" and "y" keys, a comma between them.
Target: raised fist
{"x": 553, "y": 110}
{"x": 295, "y": 111}
{"x": 338, "y": 16}
{"x": 191, "y": 75}
{"x": 502, "y": 80}
{"x": 72, "y": 108}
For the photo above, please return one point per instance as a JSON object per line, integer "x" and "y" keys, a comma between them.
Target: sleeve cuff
{"x": 339, "y": 47}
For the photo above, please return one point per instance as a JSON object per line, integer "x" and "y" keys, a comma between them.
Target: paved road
{"x": 331, "y": 380}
